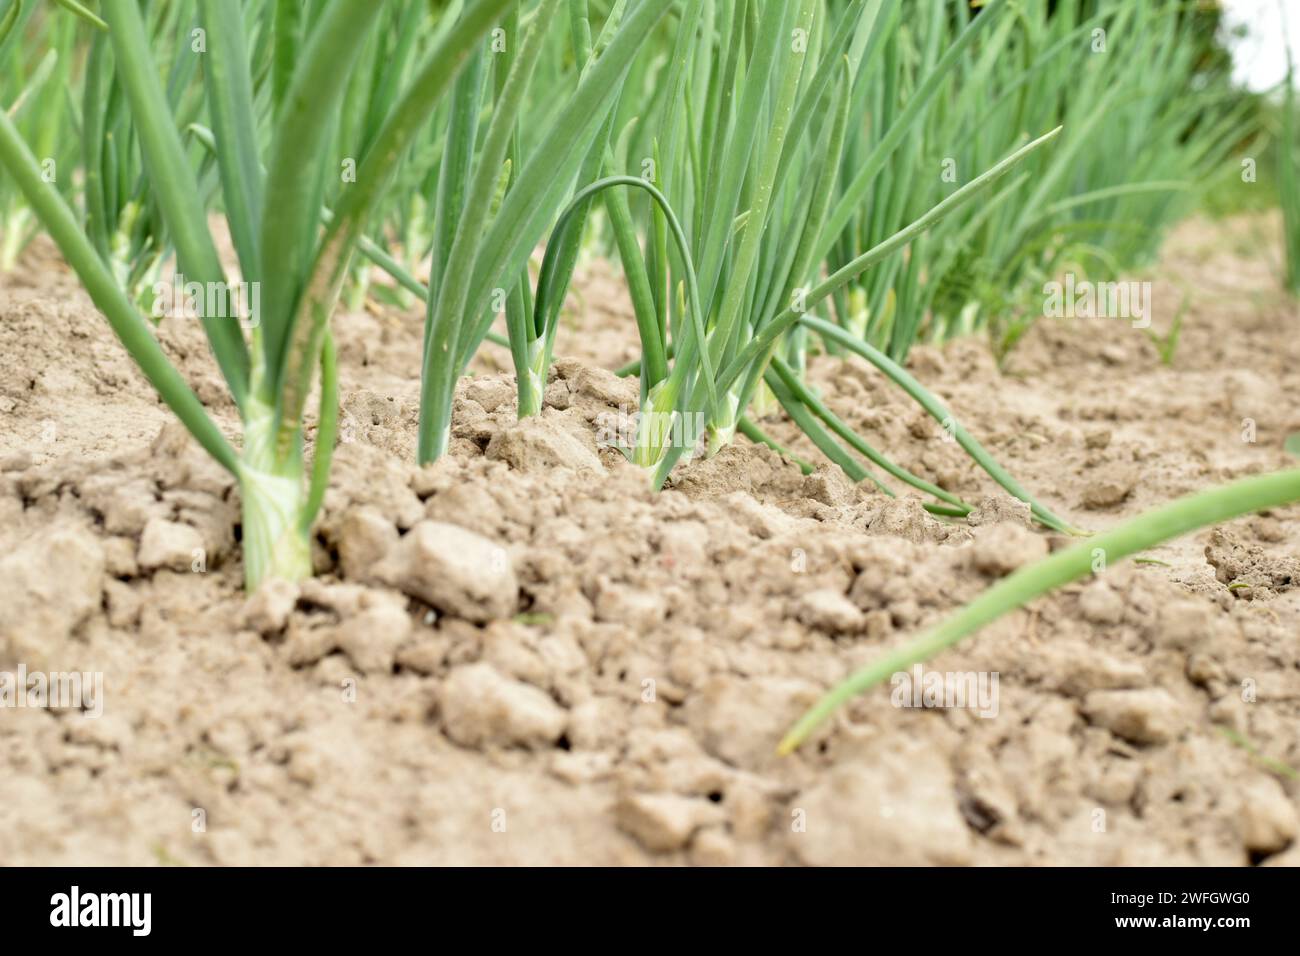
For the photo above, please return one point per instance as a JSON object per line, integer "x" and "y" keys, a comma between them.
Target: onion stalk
{"x": 274, "y": 218}
{"x": 484, "y": 236}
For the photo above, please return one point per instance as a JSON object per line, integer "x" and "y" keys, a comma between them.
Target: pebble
{"x": 741, "y": 720}
{"x": 641, "y": 610}
{"x": 48, "y": 586}
{"x": 604, "y": 386}
{"x": 491, "y": 393}
{"x": 829, "y": 610}
{"x": 168, "y": 544}
{"x": 1181, "y": 624}
{"x": 1002, "y": 548}
{"x": 1268, "y": 818}
{"x": 896, "y": 809}
{"x": 1080, "y": 669}
{"x": 1099, "y": 604}
{"x": 371, "y": 639}
{"x": 364, "y": 538}
{"x": 663, "y": 822}
{"x": 453, "y": 570}
{"x": 1108, "y": 492}
{"x": 268, "y": 609}
{"x": 480, "y": 707}
{"x": 1147, "y": 716}
{"x": 713, "y": 847}
{"x": 539, "y": 445}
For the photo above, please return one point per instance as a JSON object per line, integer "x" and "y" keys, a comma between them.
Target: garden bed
{"x": 597, "y": 674}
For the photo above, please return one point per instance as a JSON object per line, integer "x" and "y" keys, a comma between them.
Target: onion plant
{"x": 1082, "y": 559}
{"x": 746, "y": 159}
{"x": 495, "y": 199}
{"x": 1132, "y": 76}
{"x": 274, "y": 218}
{"x": 36, "y": 64}
{"x": 122, "y": 212}
{"x": 402, "y": 219}
{"x": 768, "y": 174}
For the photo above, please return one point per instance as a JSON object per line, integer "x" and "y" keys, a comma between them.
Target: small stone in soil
{"x": 663, "y": 822}
{"x": 364, "y": 538}
{"x": 480, "y": 707}
{"x": 1002, "y": 548}
{"x": 1268, "y": 817}
{"x": 898, "y": 808}
{"x": 170, "y": 545}
{"x": 1150, "y": 716}
{"x": 453, "y": 570}
{"x": 267, "y": 611}
{"x": 1108, "y": 492}
{"x": 829, "y": 610}
{"x": 1099, "y": 604}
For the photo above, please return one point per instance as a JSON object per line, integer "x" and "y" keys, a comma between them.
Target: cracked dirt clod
{"x": 1150, "y": 716}
{"x": 663, "y": 822}
{"x": 897, "y": 809}
{"x": 829, "y": 610}
{"x": 48, "y": 586}
{"x": 170, "y": 545}
{"x": 1269, "y": 822}
{"x": 480, "y": 706}
{"x": 536, "y": 444}
{"x": 453, "y": 570}
{"x": 267, "y": 611}
{"x": 1002, "y": 548}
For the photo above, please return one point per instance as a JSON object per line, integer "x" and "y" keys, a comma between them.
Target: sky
{"x": 1260, "y": 58}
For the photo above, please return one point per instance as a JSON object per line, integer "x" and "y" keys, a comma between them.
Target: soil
{"x": 523, "y": 656}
